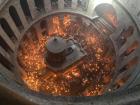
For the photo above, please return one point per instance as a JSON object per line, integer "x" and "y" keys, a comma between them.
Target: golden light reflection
{"x": 87, "y": 78}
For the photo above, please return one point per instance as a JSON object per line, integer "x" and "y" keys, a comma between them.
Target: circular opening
{"x": 88, "y": 68}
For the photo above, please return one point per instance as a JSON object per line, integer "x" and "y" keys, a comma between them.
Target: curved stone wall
{"x": 9, "y": 80}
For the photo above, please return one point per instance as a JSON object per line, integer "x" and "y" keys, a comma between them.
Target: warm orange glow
{"x": 56, "y": 26}
{"x": 86, "y": 78}
{"x": 91, "y": 39}
{"x": 67, "y": 21}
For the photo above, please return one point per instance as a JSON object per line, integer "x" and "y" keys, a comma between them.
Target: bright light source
{"x": 97, "y": 2}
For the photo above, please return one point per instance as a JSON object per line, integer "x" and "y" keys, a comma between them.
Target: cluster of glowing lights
{"x": 89, "y": 77}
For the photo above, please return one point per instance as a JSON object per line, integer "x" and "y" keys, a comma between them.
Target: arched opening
{"x": 68, "y": 3}
{"x": 15, "y": 17}
{"x": 82, "y": 4}
{"x": 124, "y": 35}
{"x": 129, "y": 31}
{"x": 8, "y": 30}
{"x": 5, "y": 46}
{"x": 122, "y": 79}
{"x": 129, "y": 65}
{"x": 54, "y": 4}
{"x": 131, "y": 49}
{"x": 25, "y": 8}
{"x": 39, "y": 5}
{"x": 6, "y": 63}
{"x": 120, "y": 82}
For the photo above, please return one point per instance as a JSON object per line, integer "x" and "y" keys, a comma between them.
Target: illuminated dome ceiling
{"x": 68, "y": 50}
{"x": 93, "y": 56}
